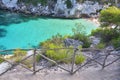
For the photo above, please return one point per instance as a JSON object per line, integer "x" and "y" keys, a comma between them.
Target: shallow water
{"x": 22, "y": 31}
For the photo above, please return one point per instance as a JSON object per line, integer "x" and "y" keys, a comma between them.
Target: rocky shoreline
{"x": 57, "y": 10}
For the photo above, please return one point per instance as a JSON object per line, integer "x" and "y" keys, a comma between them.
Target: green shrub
{"x": 106, "y": 34}
{"x": 1, "y": 60}
{"x": 100, "y": 45}
{"x": 83, "y": 38}
{"x": 79, "y": 34}
{"x": 55, "y": 42}
{"x": 79, "y": 59}
{"x": 19, "y": 54}
{"x": 57, "y": 54}
{"x": 28, "y": 63}
{"x": 62, "y": 55}
{"x": 18, "y": 59}
{"x": 38, "y": 58}
{"x": 97, "y": 32}
{"x": 69, "y": 4}
{"x": 116, "y": 42}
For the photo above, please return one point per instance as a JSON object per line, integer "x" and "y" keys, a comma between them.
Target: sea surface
{"x": 25, "y": 31}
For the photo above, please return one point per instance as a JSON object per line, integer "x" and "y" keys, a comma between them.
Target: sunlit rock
{"x": 10, "y": 3}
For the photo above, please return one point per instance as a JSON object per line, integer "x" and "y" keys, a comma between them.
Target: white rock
{"x": 30, "y": 52}
{"x": 10, "y": 3}
{"x": 4, "y": 66}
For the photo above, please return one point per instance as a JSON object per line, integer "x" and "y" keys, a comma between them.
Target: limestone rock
{"x": 57, "y": 9}
{"x": 10, "y": 3}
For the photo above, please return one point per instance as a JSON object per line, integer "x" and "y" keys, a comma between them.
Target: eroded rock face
{"x": 57, "y": 9}
{"x": 10, "y": 3}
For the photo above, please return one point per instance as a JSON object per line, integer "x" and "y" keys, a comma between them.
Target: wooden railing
{"x": 73, "y": 70}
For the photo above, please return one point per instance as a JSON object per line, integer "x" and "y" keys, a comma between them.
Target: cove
{"x": 25, "y": 31}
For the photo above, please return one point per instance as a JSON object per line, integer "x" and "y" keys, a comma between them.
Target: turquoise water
{"x": 21, "y": 31}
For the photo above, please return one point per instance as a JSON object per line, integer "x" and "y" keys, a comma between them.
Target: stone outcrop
{"x": 56, "y": 9}
{"x": 10, "y": 3}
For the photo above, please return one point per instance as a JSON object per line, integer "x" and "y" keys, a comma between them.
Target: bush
{"x": 69, "y": 4}
{"x": 28, "y": 63}
{"x": 57, "y": 40}
{"x": 59, "y": 55}
{"x": 100, "y": 45}
{"x": 116, "y": 42}
{"x": 38, "y": 58}
{"x": 97, "y": 32}
{"x": 62, "y": 56}
{"x": 19, "y": 54}
{"x": 106, "y": 34}
{"x": 79, "y": 59}
{"x": 1, "y": 60}
{"x": 83, "y": 38}
{"x": 79, "y": 34}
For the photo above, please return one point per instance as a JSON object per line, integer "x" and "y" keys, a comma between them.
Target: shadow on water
{"x": 8, "y": 18}
{"x": 3, "y": 33}
{"x": 2, "y": 47}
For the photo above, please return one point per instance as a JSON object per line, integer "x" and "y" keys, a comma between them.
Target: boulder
{"x": 4, "y": 67}
{"x": 10, "y": 3}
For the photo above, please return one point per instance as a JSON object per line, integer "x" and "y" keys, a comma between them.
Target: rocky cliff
{"x": 56, "y": 8}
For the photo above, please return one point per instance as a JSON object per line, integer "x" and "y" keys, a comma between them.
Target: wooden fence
{"x": 72, "y": 70}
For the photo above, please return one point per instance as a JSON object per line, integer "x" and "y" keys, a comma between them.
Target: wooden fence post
{"x": 34, "y": 61}
{"x": 73, "y": 60}
{"x": 104, "y": 61}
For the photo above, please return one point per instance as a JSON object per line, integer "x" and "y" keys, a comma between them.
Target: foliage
{"x": 28, "y": 63}
{"x": 83, "y": 38}
{"x": 57, "y": 55}
{"x": 18, "y": 59}
{"x": 116, "y": 42}
{"x": 97, "y": 32}
{"x": 60, "y": 55}
{"x": 100, "y": 45}
{"x": 57, "y": 40}
{"x": 110, "y": 16}
{"x": 79, "y": 59}
{"x": 1, "y": 60}
{"x": 19, "y": 54}
{"x": 69, "y": 4}
{"x": 38, "y": 58}
{"x": 80, "y": 35}
{"x": 79, "y": 29}
{"x": 106, "y": 34}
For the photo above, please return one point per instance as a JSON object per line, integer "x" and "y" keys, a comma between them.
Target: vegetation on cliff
{"x": 110, "y": 27}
